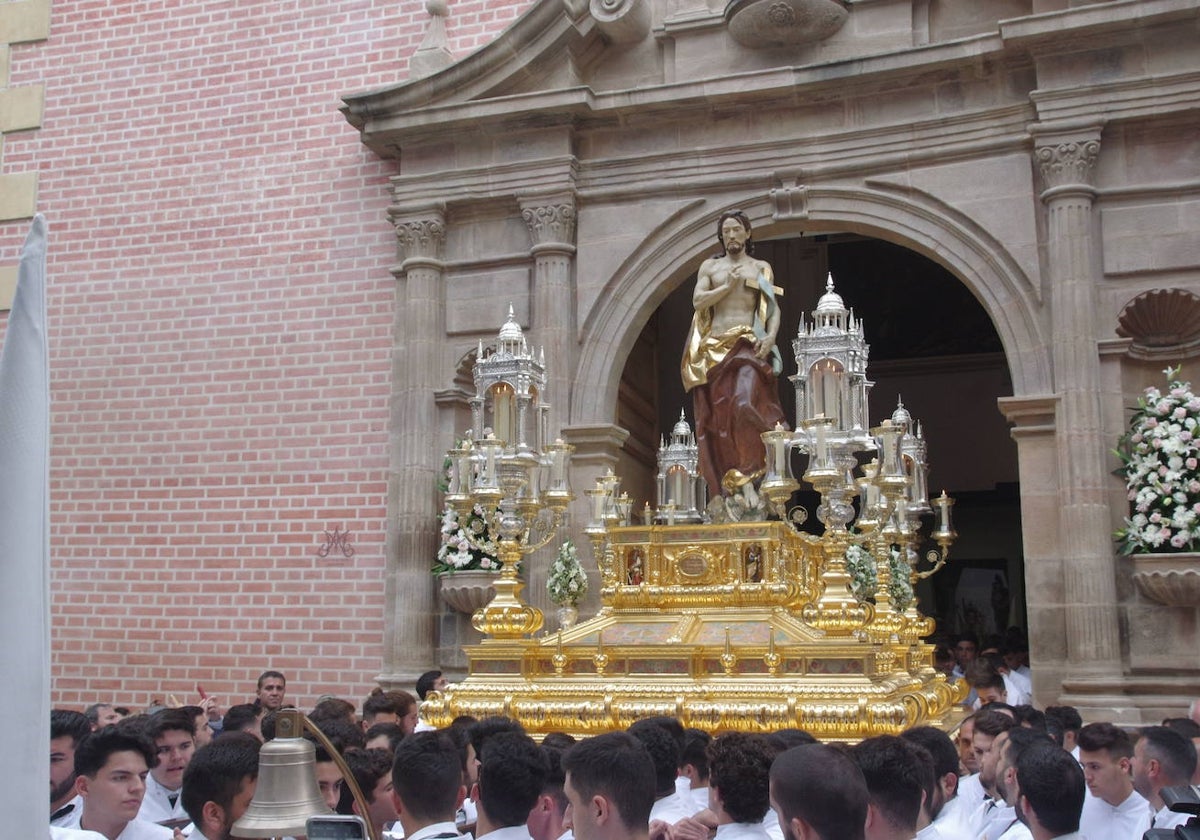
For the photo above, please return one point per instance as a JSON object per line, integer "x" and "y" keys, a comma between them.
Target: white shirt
{"x": 741, "y": 831}
{"x": 134, "y": 829}
{"x": 1016, "y": 692}
{"x": 771, "y": 825}
{"x": 1127, "y": 821}
{"x": 999, "y": 820}
{"x": 699, "y": 797}
{"x": 60, "y": 833}
{"x": 434, "y": 830}
{"x": 671, "y": 809}
{"x": 157, "y": 807}
{"x": 1166, "y": 818}
{"x": 510, "y": 832}
{"x": 1019, "y": 831}
{"x": 70, "y": 813}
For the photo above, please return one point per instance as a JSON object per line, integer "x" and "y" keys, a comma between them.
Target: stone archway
{"x": 667, "y": 256}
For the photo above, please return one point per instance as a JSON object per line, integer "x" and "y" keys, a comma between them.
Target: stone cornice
{"x": 1061, "y": 31}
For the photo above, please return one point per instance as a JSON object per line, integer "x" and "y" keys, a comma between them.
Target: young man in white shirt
{"x": 512, "y": 771}
{"x": 1113, "y": 810}
{"x": 1051, "y": 792}
{"x": 173, "y": 732}
{"x": 899, "y": 776}
{"x": 112, "y": 765}
{"x": 427, "y": 786}
{"x": 609, "y": 784}
{"x": 739, "y": 775}
{"x": 942, "y": 802}
{"x": 819, "y": 794}
{"x": 219, "y": 783}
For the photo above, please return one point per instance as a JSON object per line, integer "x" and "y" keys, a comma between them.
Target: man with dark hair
{"x": 669, "y": 806}
{"x": 1051, "y": 792}
{"x": 1069, "y": 723}
{"x": 102, "y": 715}
{"x": 1113, "y": 810}
{"x": 987, "y": 683}
{"x": 545, "y": 821}
{"x": 427, "y": 785}
{"x": 962, "y": 742}
{"x": 512, "y": 771}
{"x": 219, "y": 783}
{"x": 940, "y": 808}
{"x": 819, "y": 793}
{"x": 111, "y": 766}
{"x": 67, "y": 730}
{"x": 980, "y": 797}
{"x": 1162, "y": 758}
{"x": 609, "y": 783}
{"x": 1013, "y": 744}
{"x": 199, "y": 716}
{"x": 739, "y": 779}
{"x": 398, "y": 707}
{"x": 693, "y": 766}
{"x": 384, "y": 736}
{"x": 478, "y": 734}
{"x": 372, "y": 770}
{"x": 269, "y": 694}
{"x": 243, "y": 717}
{"x": 173, "y": 732}
{"x": 899, "y": 777}
{"x": 431, "y": 681}
{"x": 329, "y": 777}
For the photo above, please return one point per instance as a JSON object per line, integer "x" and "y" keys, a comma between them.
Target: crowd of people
{"x": 1010, "y": 773}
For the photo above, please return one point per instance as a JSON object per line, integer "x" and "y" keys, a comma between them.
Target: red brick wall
{"x": 220, "y": 310}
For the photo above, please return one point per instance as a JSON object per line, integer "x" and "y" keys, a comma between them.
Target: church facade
{"x": 576, "y": 166}
{"x": 275, "y": 308}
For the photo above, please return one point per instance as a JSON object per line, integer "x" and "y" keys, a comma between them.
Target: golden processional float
{"x": 722, "y": 618}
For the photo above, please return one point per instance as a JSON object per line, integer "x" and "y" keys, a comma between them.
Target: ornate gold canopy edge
{"x": 716, "y": 625}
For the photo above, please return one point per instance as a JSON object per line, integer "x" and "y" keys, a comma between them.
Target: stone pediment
{"x": 615, "y": 63}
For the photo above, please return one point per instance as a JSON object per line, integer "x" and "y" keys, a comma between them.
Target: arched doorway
{"x": 934, "y": 347}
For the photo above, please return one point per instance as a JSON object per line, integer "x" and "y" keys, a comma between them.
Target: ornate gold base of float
{"x": 744, "y": 626}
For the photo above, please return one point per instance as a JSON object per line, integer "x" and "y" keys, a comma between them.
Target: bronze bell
{"x": 287, "y": 793}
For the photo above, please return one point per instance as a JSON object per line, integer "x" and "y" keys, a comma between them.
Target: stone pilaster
{"x": 551, "y": 221}
{"x": 1066, "y": 160}
{"x": 412, "y": 537}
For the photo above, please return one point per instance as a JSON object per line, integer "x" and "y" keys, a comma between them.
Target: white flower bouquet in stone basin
{"x": 1161, "y": 466}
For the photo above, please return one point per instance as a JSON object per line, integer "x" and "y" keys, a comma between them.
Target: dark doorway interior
{"x": 933, "y": 346}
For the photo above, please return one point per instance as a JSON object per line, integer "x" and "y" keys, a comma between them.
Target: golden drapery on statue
{"x": 731, "y": 363}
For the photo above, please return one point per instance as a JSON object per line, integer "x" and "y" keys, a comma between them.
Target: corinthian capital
{"x": 1067, "y": 158}
{"x": 421, "y": 237}
{"x": 551, "y": 222}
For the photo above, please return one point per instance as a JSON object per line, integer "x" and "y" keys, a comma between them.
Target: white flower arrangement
{"x": 1161, "y": 467}
{"x": 567, "y": 582}
{"x": 864, "y": 577}
{"x": 458, "y": 552}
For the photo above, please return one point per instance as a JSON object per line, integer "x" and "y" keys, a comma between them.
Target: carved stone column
{"x": 1066, "y": 160}
{"x": 551, "y": 221}
{"x": 412, "y": 535}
